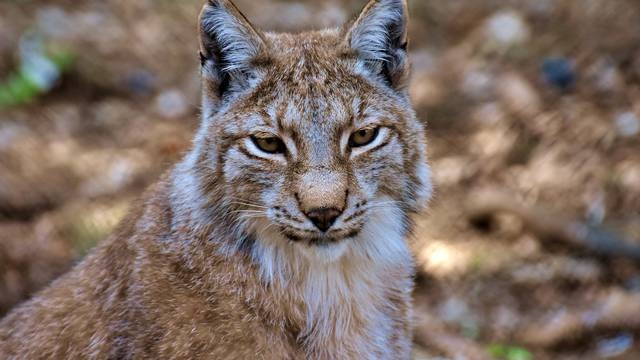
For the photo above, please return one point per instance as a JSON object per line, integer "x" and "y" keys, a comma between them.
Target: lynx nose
{"x": 323, "y": 218}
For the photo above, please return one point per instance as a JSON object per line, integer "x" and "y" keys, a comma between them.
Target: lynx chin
{"x": 282, "y": 232}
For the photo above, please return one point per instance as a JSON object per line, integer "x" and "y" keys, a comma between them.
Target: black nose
{"x": 323, "y": 218}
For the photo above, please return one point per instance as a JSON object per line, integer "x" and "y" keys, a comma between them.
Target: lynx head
{"x": 309, "y": 141}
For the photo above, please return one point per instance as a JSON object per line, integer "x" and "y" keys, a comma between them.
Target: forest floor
{"x": 527, "y": 102}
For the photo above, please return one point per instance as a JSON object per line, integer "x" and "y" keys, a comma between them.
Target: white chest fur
{"x": 344, "y": 287}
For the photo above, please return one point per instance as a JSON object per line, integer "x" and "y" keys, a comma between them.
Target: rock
{"x": 172, "y": 104}
{"x": 559, "y": 72}
{"x": 41, "y": 71}
{"x": 627, "y": 124}
{"x": 507, "y": 28}
{"x": 616, "y": 346}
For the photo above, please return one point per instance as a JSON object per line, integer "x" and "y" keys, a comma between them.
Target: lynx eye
{"x": 269, "y": 144}
{"x": 363, "y": 137}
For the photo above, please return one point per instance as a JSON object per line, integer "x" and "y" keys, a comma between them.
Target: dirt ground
{"x": 528, "y": 102}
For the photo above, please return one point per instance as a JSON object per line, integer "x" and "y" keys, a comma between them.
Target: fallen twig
{"x": 616, "y": 309}
{"x": 549, "y": 225}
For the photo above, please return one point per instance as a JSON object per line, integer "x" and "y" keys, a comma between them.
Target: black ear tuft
{"x": 203, "y": 58}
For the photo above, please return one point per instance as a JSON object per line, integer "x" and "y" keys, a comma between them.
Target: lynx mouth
{"x": 322, "y": 240}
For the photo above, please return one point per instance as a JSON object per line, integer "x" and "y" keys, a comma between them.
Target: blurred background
{"x": 531, "y": 247}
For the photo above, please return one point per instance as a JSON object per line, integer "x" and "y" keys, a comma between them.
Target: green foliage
{"x": 22, "y": 87}
{"x": 506, "y": 352}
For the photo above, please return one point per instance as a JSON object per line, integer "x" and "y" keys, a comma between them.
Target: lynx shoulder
{"x": 282, "y": 232}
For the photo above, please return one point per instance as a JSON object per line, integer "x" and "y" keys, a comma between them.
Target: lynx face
{"x": 311, "y": 136}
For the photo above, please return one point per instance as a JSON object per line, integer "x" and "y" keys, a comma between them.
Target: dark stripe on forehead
{"x": 348, "y": 104}
{"x": 362, "y": 107}
{"x": 295, "y": 137}
{"x": 264, "y": 114}
{"x": 281, "y": 110}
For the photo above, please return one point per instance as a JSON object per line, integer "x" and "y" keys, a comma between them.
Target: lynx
{"x": 282, "y": 233}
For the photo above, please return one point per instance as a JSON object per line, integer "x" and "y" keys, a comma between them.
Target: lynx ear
{"x": 229, "y": 46}
{"x": 379, "y": 38}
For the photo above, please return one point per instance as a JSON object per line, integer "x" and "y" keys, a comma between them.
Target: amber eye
{"x": 269, "y": 144}
{"x": 363, "y": 137}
